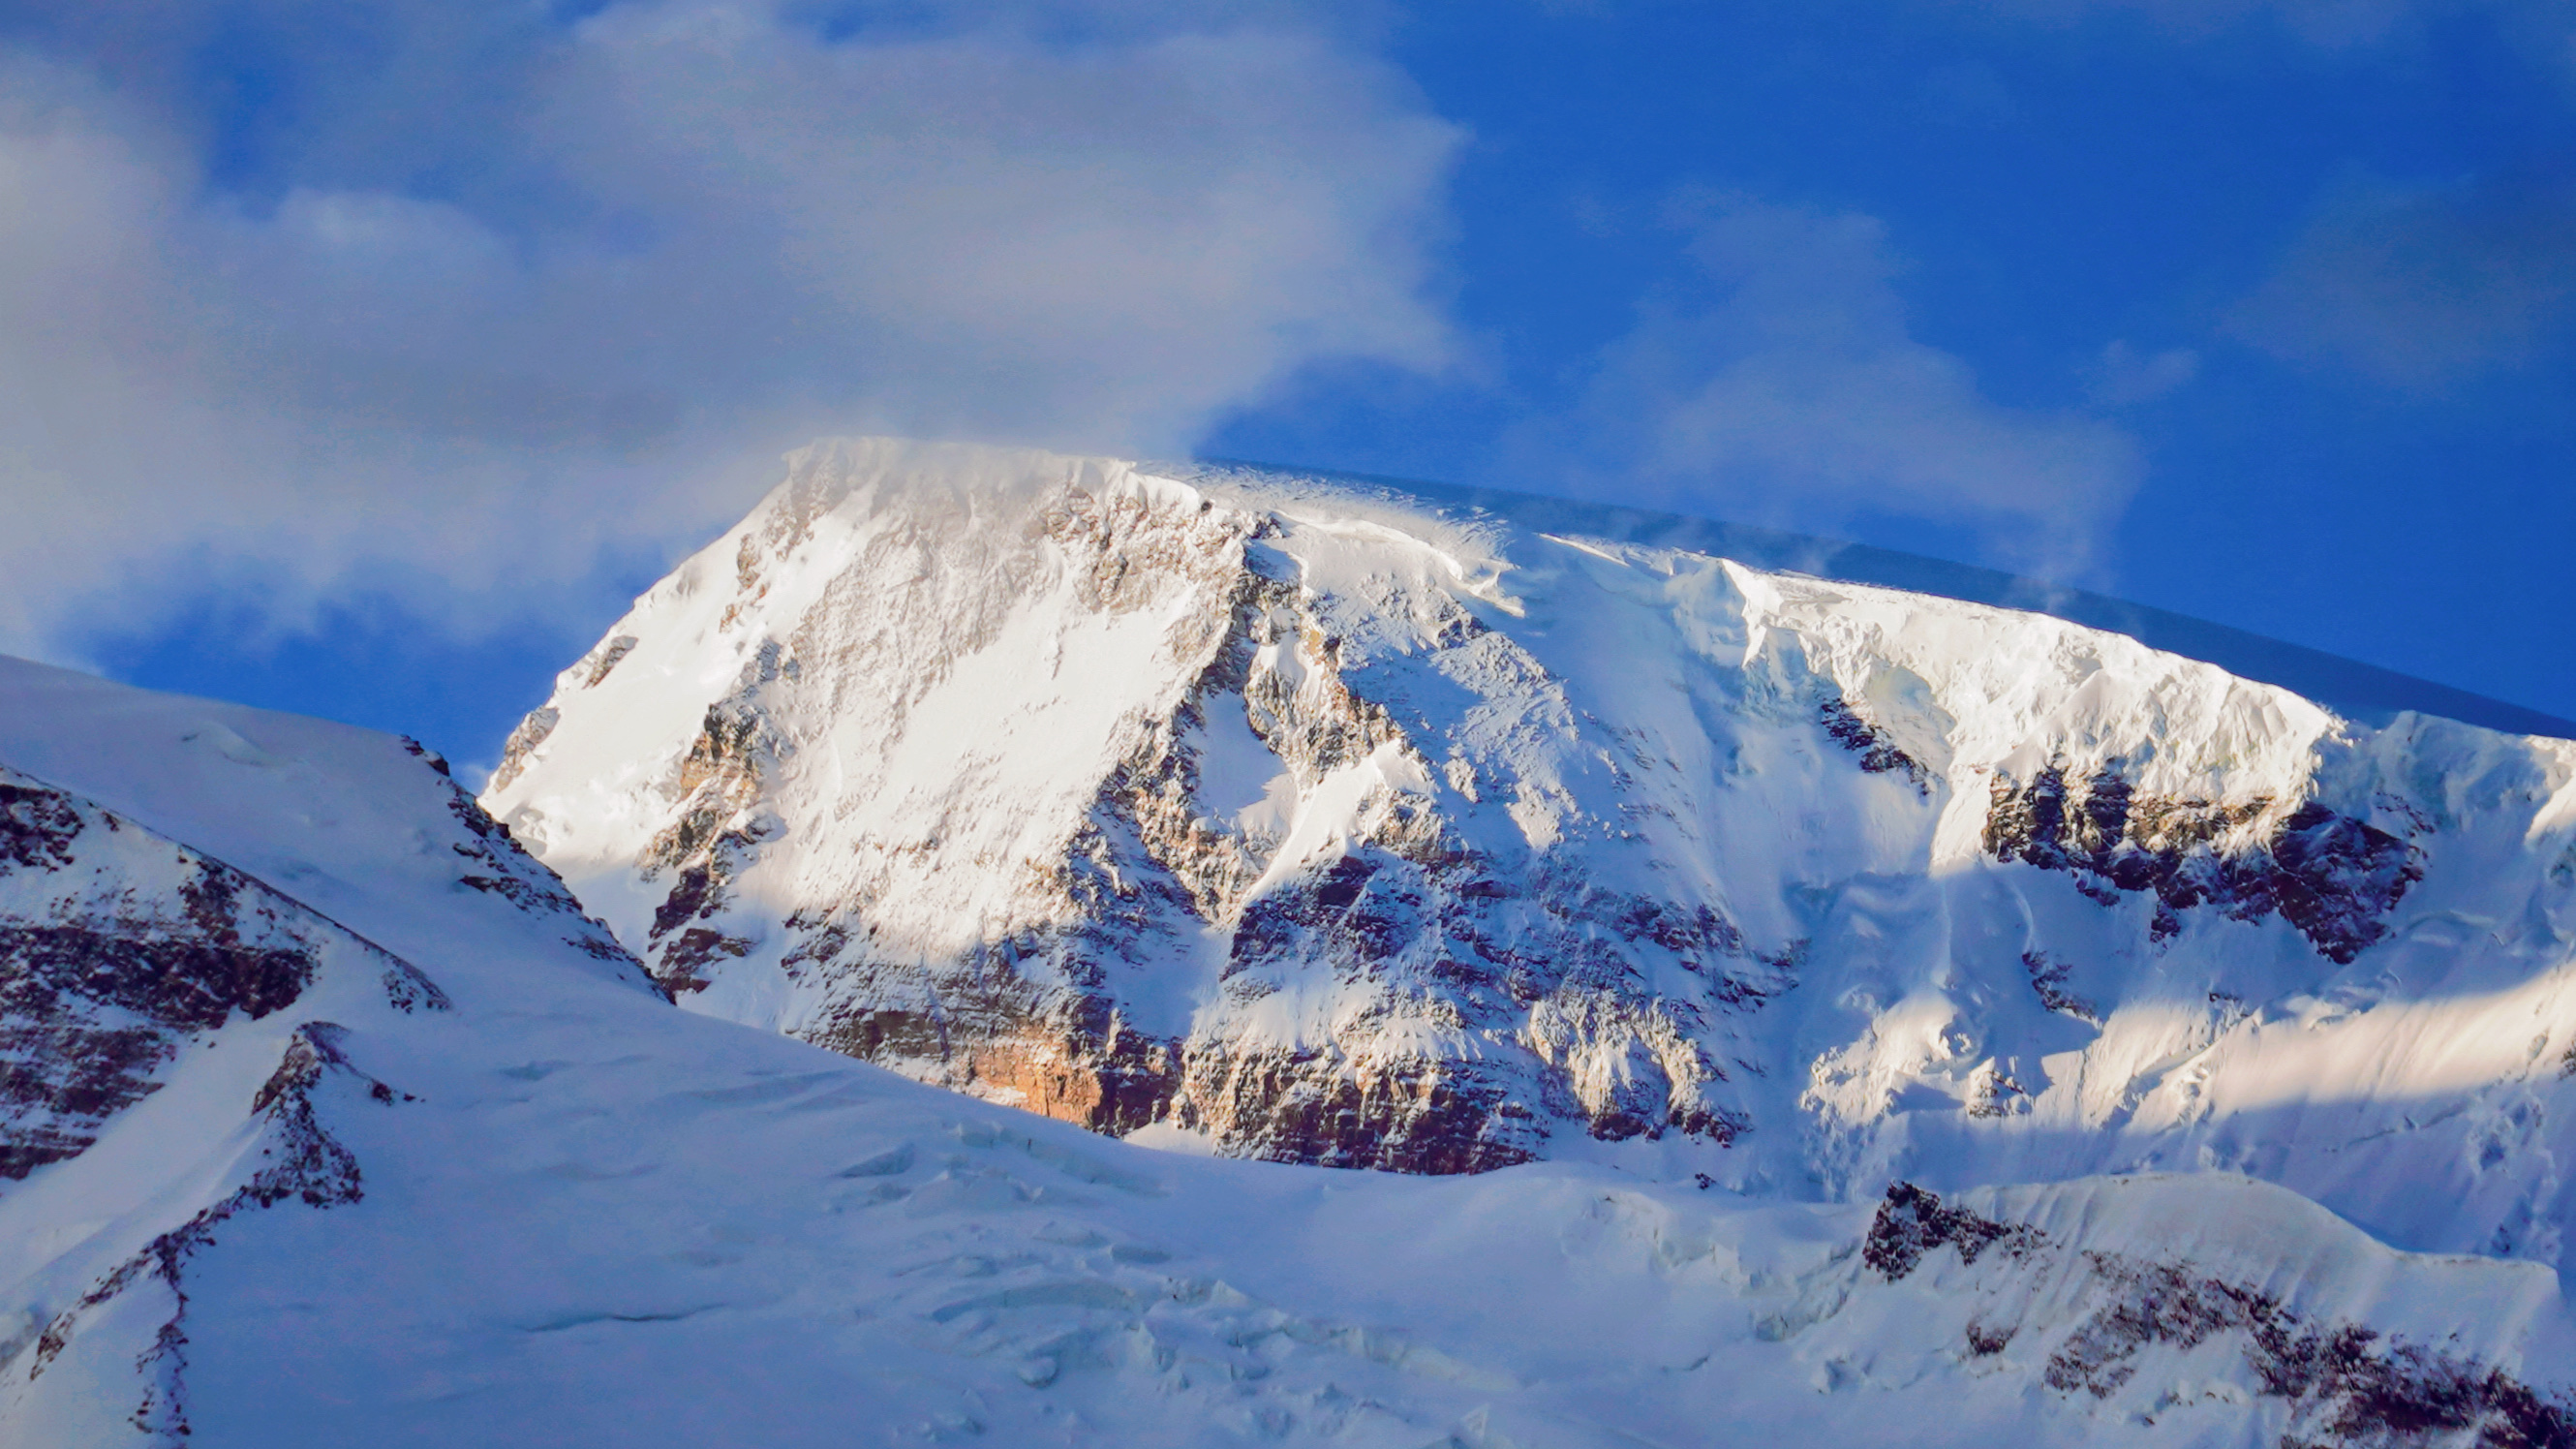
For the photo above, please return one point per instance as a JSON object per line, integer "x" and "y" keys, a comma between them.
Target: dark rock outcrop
{"x": 1878, "y": 753}
{"x": 300, "y": 1159}
{"x": 126, "y": 946}
{"x": 496, "y": 865}
{"x": 2332, "y": 877}
{"x": 2343, "y": 1383}
{"x": 1912, "y": 1222}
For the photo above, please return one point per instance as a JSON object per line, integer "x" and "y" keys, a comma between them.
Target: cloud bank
{"x": 302, "y": 300}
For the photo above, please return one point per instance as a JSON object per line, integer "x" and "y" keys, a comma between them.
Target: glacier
{"x": 1796, "y": 1006}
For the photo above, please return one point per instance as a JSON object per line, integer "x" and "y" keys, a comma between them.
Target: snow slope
{"x": 1317, "y": 821}
{"x": 541, "y": 1207}
{"x": 2356, "y": 690}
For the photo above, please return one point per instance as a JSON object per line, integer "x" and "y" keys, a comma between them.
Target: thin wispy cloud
{"x": 1786, "y": 387}
{"x": 2124, "y": 375}
{"x": 2423, "y": 288}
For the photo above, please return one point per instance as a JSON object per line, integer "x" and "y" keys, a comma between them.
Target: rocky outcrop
{"x": 2333, "y": 877}
{"x": 1878, "y": 753}
{"x": 117, "y": 949}
{"x": 298, "y": 1159}
{"x": 1911, "y": 1222}
{"x": 491, "y": 862}
{"x": 2340, "y": 1383}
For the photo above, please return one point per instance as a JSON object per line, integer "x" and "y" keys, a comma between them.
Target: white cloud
{"x": 499, "y": 295}
{"x": 1795, "y": 395}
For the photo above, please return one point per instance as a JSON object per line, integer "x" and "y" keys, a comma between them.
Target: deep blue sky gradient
{"x": 2053, "y": 189}
{"x": 2049, "y": 187}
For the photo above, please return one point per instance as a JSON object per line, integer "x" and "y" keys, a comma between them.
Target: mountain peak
{"x": 1313, "y": 819}
{"x": 1888, "y": 1018}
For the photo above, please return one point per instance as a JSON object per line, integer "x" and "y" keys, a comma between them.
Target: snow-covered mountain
{"x": 384, "y": 1144}
{"x": 1322, "y": 822}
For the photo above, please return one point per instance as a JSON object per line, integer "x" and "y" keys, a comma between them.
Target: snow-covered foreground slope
{"x": 1317, "y": 822}
{"x": 542, "y": 1207}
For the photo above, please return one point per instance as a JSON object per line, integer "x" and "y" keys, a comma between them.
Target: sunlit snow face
{"x": 559, "y": 1177}
{"x": 1824, "y": 879}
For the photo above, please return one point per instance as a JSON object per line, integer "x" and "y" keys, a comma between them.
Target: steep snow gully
{"x": 1798, "y": 996}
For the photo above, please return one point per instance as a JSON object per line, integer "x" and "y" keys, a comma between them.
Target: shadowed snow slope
{"x": 1320, "y": 822}
{"x": 418, "y": 1159}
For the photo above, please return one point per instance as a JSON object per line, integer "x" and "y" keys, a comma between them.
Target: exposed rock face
{"x": 329, "y": 1214}
{"x": 1911, "y": 1222}
{"x": 2341, "y": 1383}
{"x": 1334, "y": 826}
{"x": 116, "y": 949}
{"x": 532, "y": 732}
{"x": 303, "y": 1160}
{"x": 2335, "y": 878}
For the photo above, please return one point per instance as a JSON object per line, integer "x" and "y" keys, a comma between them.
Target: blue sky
{"x": 361, "y": 359}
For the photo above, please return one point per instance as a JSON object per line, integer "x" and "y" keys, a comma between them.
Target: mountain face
{"x": 324, "y": 1135}
{"x": 122, "y": 948}
{"x": 202, "y": 908}
{"x": 1316, "y": 822}
{"x": 330, "y": 1116}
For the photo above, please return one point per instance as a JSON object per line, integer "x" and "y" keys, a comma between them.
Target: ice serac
{"x": 1323, "y": 822}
